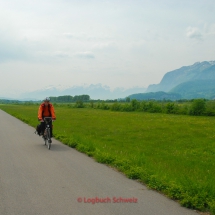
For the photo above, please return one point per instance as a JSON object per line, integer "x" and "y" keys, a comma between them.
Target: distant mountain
{"x": 198, "y": 71}
{"x": 196, "y": 89}
{"x": 188, "y": 82}
{"x": 96, "y": 91}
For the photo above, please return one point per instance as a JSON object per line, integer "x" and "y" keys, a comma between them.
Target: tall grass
{"x": 174, "y": 154}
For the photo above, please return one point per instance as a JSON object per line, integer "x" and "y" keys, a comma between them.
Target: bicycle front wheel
{"x": 45, "y": 140}
{"x": 49, "y": 139}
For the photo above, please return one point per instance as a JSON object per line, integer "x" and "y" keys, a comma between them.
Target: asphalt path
{"x": 63, "y": 181}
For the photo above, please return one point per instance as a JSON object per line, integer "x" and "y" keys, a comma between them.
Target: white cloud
{"x": 86, "y": 54}
{"x": 75, "y": 35}
{"x": 105, "y": 45}
{"x": 194, "y": 33}
{"x": 61, "y": 54}
{"x": 69, "y": 35}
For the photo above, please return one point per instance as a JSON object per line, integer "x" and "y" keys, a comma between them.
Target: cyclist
{"x": 46, "y": 109}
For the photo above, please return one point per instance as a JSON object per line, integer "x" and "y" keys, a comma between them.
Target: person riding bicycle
{"x": 46, "y": 109}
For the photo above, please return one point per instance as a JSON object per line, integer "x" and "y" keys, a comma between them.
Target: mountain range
{"x": 95, "y": 91}
{"x": 187, "y": 82}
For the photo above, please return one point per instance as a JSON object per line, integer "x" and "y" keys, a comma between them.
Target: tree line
{"x": 58, "y": 99}
{"x": 69, "y": 99}
{"x": 196, "y": 107}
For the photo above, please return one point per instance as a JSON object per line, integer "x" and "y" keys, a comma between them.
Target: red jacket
{"x": 46, "y": 111}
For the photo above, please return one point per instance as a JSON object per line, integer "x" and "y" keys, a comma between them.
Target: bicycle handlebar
{"x": 47, "y": 119}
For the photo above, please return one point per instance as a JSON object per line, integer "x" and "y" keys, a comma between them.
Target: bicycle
{"x": 47, "y": 132}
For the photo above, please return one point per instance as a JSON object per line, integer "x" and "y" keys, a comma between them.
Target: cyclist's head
{"x": 47, "y": 99}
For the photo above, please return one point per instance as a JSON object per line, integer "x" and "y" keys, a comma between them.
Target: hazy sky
{"x": 118, "y": 43}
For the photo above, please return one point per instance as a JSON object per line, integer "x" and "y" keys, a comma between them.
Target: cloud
{"x": 87, "y": 54}
{"x": 105, "y": 45}
{"x": 87, "y": 36}
{"x": 194, "y": 33}
{"x": 69, "y": 35}
{"x": 61, "y": 54}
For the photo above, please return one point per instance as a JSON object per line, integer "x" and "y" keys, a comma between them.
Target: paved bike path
{"x": 38, "y": 181}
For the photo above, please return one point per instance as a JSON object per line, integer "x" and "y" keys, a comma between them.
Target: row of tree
{"x": 195, "y": 107}
{"x": 59, "y": 99}
{"x": 69, "y": 99}
{"x": 7, "y": 101}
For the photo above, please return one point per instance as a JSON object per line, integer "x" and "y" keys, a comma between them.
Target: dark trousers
{"x": 43, "y": 126}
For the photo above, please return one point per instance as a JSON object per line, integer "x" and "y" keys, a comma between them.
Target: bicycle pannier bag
{"x": 38, "y": 129}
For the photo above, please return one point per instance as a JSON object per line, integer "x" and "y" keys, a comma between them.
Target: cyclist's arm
{"x": 53, "y": 112}
{"x": 40, "y": 111}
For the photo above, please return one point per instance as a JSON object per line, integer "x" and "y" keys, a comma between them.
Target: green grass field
{"x": 174, "y": 154}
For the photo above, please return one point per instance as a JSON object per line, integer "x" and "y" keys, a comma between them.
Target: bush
{"x": 79, "y": 104}
{"x": 135, "y": 104}
{"x": 184, "y": 110}
{"x": 127, "y": 108}
{"x": 153, "y": 107}
{"x": 116, "y": 107}
{"x": 170, "y": 108}
{"x": 91, "y": 104}
{"x": 143, "y": 106}
{"x": 198, "y": 107}
{"x": 104, "y": 106}
{"x": 210, "y": 108}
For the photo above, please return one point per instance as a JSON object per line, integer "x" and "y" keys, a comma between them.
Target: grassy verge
{"x": 170, "y": 153}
